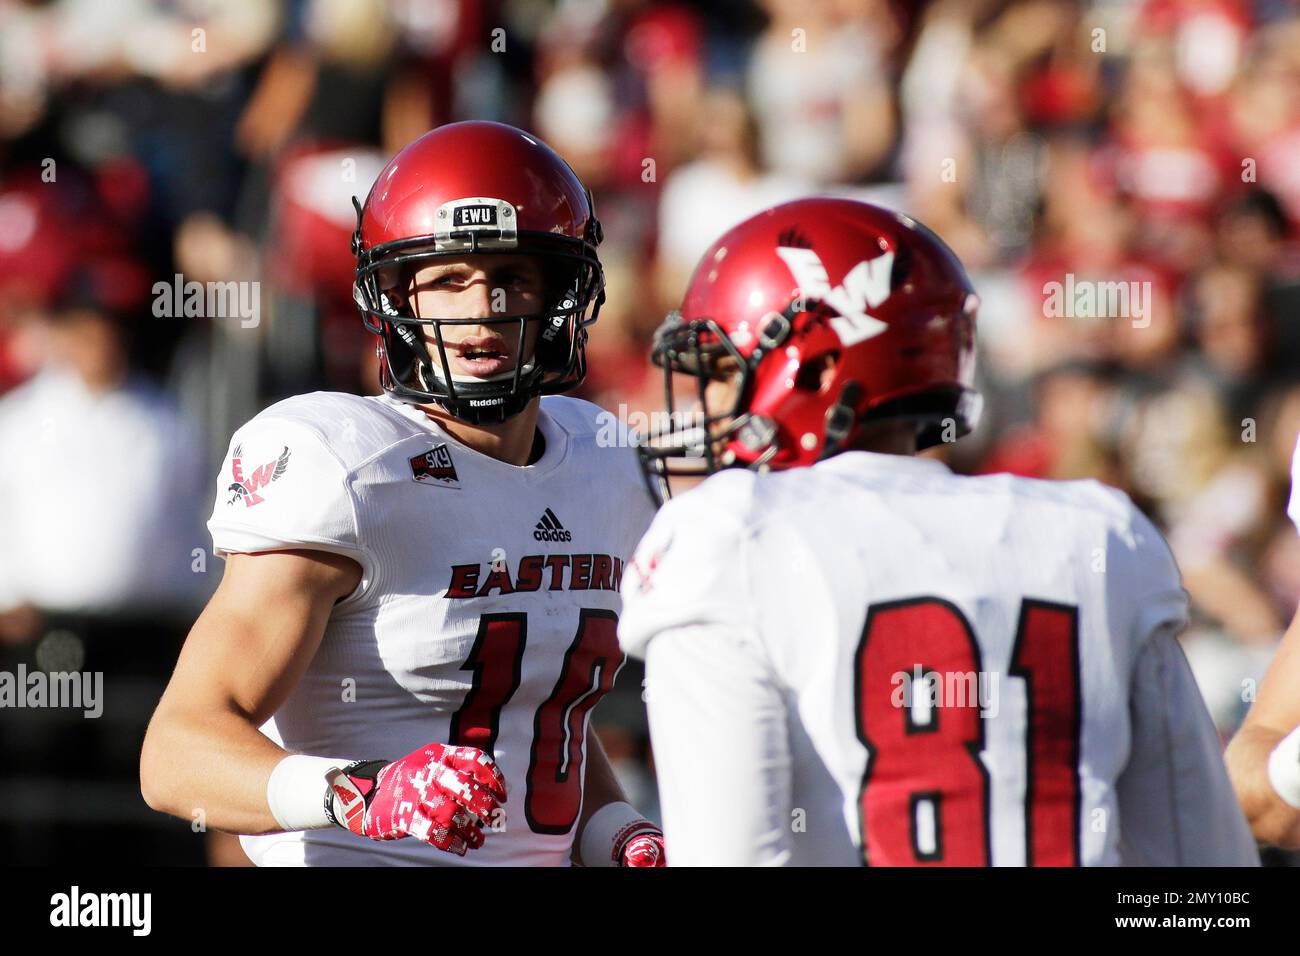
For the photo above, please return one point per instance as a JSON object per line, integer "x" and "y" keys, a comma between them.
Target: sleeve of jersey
{"x": 722, "y": 757}
{"x": 688, "y": 610}
{"x": 1176, "y": 804}
{"x": 1144, "y": 582}
{"x": 688, "y": 569}
{"x": 280, "y": 486}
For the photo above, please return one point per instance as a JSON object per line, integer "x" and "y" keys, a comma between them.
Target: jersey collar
{"x": 557, "y": 440}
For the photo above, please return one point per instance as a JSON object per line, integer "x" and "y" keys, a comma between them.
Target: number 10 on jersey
{"x": 554, "y": 783}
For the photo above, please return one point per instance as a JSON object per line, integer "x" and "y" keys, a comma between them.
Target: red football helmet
{"x": 836, "y": 314}
{"x": 472, "y": 188}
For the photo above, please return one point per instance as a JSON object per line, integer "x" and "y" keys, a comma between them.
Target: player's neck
{"x": 888, "y": 438}
{"x": 511, "y": 441}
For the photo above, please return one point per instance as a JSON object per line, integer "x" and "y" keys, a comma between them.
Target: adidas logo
{"x": 550, "y": 529}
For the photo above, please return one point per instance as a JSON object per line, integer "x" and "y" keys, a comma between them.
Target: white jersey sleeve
{"x": 687, "y": 609}
{"x": 282, "y": 486}
{"x": 722, "y": 756}
{"x": 689, "y": 568}
{"x": 1176, "y": 804}
{"x": 1142, "y": 575}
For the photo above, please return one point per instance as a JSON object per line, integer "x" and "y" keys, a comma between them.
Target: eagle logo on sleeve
{"x": 644, "y": 573}
{"x": 246, "y": 487}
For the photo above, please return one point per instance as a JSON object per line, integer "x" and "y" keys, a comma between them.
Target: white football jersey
{"x": 877, "y": 661}
{"x": 486, "y": 613}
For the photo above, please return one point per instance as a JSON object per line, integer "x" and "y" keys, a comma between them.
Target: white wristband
{"x": 1284, "y": 768}
{"x": 296, "y": 791}
{"x": 608, "y": 829}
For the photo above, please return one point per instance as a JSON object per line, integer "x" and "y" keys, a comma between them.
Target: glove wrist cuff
{"x": 608, "y": 831}
{"x": 348, "y": 791}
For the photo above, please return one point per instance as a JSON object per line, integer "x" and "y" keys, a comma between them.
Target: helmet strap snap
{"x": 841, "y": 418}
{"x": 758, "y": 433}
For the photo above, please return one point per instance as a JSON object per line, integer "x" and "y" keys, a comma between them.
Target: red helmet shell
{"x": 475, "y": 158}
{"x": 874, "y": 288}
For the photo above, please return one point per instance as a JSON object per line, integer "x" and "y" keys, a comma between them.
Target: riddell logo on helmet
{"x": 556, "y": 323}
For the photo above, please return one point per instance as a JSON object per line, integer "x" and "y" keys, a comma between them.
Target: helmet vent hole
{"x": 816, "y": 374}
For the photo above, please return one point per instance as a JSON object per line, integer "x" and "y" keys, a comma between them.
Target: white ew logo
{"x": 866, "y": 286}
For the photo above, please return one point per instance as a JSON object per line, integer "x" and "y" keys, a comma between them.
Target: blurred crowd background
{"x": 1149, "y": 141}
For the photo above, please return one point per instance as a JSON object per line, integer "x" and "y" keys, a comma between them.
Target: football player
{"x": 855, "y": 656}
{"x": 1264, "y": 756}
{"x": 420, "y": 601}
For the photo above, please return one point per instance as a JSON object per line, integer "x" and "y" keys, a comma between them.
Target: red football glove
{"x": 439, "y": 794}
{"x": 644, "y": 849}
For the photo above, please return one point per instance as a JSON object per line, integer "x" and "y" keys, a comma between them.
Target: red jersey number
{"x": 924, "y": 798}
{"x": 554, "y": 789}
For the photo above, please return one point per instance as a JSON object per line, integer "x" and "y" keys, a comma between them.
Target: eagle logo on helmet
{"x": 865, "y": 287}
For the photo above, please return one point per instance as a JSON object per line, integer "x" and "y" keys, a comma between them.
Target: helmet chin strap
{"x": 841, "y": 419}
